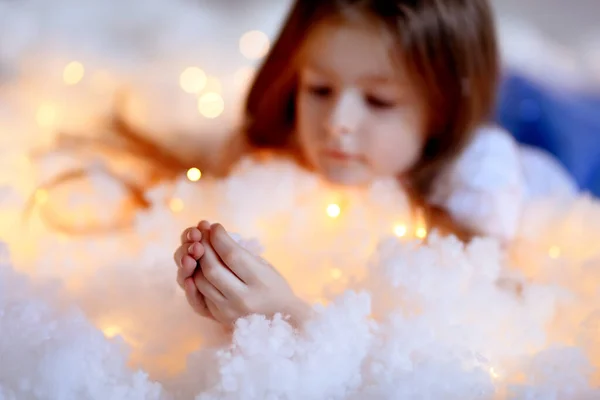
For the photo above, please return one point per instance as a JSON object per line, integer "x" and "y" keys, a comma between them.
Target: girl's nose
{"x": 345, "y": 114}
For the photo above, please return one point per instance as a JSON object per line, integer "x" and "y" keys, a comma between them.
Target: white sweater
{"x": 489, "y": 183}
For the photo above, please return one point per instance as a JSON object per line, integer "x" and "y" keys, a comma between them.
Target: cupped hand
{"x": 236, "y": 283}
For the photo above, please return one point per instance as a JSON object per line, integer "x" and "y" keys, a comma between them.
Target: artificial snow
{"x": 396, "y": 317}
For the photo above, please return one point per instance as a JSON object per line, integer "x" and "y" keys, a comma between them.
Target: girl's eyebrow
{"x": 368, "y": 79}
{"x": 317, "y": 68}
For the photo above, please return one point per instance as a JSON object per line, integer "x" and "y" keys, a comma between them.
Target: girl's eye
{"x": 320, "y": 90}
{"x": 380, "y": 103}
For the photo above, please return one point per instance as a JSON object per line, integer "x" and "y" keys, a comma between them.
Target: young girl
{"x": 356, "y": 90}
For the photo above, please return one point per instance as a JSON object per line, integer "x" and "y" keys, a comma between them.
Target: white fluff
{"x": 401, "y": 320}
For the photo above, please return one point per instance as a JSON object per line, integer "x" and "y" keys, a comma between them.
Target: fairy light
{"x": 333, "y": 210}
{"x": 176, "y": 205}
{"x": 45, "y": 116}
{"x": 194, "y": 174}
{"x": 493, "y": 373}
{"x": 336, "y": 273}
{"x": 41, "y": 196}
{"x": 554, "y": 252}
{"x": 73, "y": 73}
{"x": 211, "y": 105}
{"x": 421, "y": 231}
{"x": 111, "y": 331}
{"x": 193, "y": 80}
{"x": 400, "y": 230}
{"x": 254, "y": 44}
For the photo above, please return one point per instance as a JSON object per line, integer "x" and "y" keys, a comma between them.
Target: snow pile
{"x": 396, "y": 318}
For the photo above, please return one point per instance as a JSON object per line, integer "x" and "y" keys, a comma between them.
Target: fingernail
{"x": 189, "y": 235}
{"x": 191, "y": 249}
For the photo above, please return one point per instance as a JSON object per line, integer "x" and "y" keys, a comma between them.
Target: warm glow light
{"x": 176, "y": 205}
{"x": 45, "y": 116}
{"x": 400, "y": 230}
{"x": 336, "y": 273}
{"x": 421, "y": 233}
{"x": 211, "y": 105}
{"x": 254, "y": 44}
{"x": 192, "y": 80}
{"x": 73, "y": 73}
{"x": 333, "y": 210}
{"x": 194, "y": 174}
{"x": 493, "y": 373}
{"x": 111, "y": 331}
{"x": 554, "y": 252}
{"x": 41, "y": 196}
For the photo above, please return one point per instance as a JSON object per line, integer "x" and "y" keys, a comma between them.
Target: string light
{"x": 193, "y": 80}
{"x": 73, "y": 73}
{"x": 400, "y": 230}
{"x": 421, "y": 231}
{"x": 211, "y": 105}
{"x": 493, "y": 373}
{"x": 41, "y": 196}
{"x": 254, "y": 44}
{"x": 45, "y": 116}
{"x": 176, "y": 205}
{"x": 194, "y": 174}
{"x": 554, "y": 252}
{"x": 336, "y": 273}
{"x": 333, "y": 210}
{"x": 111, "y": 331}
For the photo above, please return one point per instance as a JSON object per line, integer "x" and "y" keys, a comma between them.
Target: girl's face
{"x": 358, "y": 115}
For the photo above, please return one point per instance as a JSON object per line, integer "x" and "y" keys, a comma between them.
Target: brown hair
{"x": 448, "y": 46}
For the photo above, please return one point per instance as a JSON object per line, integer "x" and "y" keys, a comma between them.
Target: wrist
{"x": 298, "y": 312}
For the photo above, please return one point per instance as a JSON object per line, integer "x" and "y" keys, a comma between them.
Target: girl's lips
{"x": 340, "y": 155}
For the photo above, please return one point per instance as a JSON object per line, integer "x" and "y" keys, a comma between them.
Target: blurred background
{"x": 185, "y": 65}
{"x": 550, "y": 97}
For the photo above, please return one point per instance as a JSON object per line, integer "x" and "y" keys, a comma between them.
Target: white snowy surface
{"x": 402, "y": 320}
{"x": 101, "y": 317}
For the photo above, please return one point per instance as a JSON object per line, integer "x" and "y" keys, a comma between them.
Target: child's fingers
{"x": 196, "y": 250}
{"x": 191, "y": 234}
{"x": 208, "y": 289}
{"x": 218, "y": 274}
{"x": 241, "y": 262}
{"x": 186, "y": 270}
{"x": 195, "y": 298}
{"x": 203, "y": 225}
{"x": 178, "y": 255}
{"x": 213, "y": 310}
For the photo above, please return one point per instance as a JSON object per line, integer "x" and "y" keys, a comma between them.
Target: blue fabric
{"x": 566, "y": 124}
